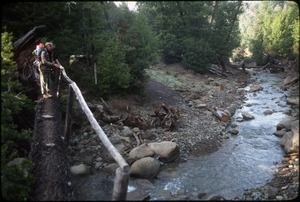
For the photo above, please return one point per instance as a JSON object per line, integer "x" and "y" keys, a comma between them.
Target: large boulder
{"x": 167, "y": 151}
{"x": 291, "y": 79}
{"x": 140, "y": 152}
{"x": 285, "y": 123}
{"x": 146, "y": 168}
{"x": 290, "y": 141}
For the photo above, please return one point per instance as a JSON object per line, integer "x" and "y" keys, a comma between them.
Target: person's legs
{"x": 47, "y": 81}
{"x": 44, "y": 79}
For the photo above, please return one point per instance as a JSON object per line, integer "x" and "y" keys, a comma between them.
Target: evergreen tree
{"x": 14, "y": 179}
{"x": 112, "y": 72}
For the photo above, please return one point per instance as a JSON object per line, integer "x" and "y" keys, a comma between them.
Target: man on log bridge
{"x": 48, "y": 151}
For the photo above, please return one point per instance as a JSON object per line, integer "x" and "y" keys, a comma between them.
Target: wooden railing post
{"x": 120, "y": 185}
{"x": 69, "y": 115}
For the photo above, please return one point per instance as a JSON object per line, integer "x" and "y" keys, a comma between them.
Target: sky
{"x": 130, "y": 4}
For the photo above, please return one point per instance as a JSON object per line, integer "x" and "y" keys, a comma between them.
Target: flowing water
{"x": 246, "y": 160}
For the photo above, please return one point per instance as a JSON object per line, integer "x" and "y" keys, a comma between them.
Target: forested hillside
{"x": 116, "y": 45}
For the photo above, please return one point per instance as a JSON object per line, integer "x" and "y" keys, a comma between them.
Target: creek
{"x": 246, "y": 160}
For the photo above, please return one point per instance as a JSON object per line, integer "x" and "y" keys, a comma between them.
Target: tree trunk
{"x": 49, "y": 153}
{"x": 222, "y": 63}
{"x": 215, "y": 8}
{"x": 233, "y": 21}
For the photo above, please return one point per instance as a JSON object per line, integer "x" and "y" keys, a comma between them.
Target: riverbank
{"x": 198, "y": 131}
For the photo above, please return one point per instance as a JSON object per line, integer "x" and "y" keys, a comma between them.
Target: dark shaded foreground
{"x": 50, "y": 155}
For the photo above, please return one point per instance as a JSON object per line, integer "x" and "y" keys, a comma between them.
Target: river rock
{"x": 232, "y": 108}
{"x": 146, "y": 168}
{"x": 111, "y": 168}
{"x": 143, "y": 184}
{"x": 126, "y": 132}
{"x": 137, "y": 195}
{"x": 287, "y": 111}
{"x": 285, "y": 123}
{"x": 293, "y": 101}
{"x": 255, "y": 88}
{"x": 292, "y": 78}
{"x": 247, "y": 116}
{"x": 234, "y": 131}
{"x": 290, "y": 141}
{"x": 272, "y": 192}
{"x": 80, "y": 169}
{"x": 280, "y": 133}
{"x": 215, "y": 198}
{"x": 167, "y": 151}
{"x": 140, "y": 152}
{"x": 285, "y": 138}
{"x": 268, "y": 112}
{"x": 292, "y": 144}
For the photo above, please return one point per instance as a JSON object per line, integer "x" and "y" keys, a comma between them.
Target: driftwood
{"x": 219, "y": 113}
{"x": 214, "y": 70}
{"x": 222, "y": 62}
{"x": 138, "y": 138}
{"x": 166, "y": 118}
{"x": 135, "y": 121}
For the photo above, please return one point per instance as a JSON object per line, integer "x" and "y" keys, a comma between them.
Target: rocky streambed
{"x": 198, "y": 133}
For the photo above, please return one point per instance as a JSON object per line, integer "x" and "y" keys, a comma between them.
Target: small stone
{"x": 234, "y": 131}
{"x": 46, "y": 116}
{"x": 284, "y": 187}
{"x": 279, "y": 197}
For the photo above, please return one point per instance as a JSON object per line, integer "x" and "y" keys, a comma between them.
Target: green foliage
{"x": 198, "y": 55}
{"x": 14, "y": 183}
{"x": 140, "y": 46}
{"x": 272, "y": 28}
{"x": 15, "y": 180}
{"x": 295, "y": 35}
{"x": 112, "y": 72}
{"x": 257, "y": 51}
{"x": 195, "y": 30}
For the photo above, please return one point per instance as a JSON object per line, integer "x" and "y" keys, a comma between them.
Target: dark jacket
{"x": 47, "y": 58}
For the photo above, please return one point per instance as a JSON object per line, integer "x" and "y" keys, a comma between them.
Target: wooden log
{"x": 50, "y": 155}
{"x": 219, "y": 73}
{"x": 109, "y": 146}
{"x": 120, "y": 185}
{"x": 68, "y": 115}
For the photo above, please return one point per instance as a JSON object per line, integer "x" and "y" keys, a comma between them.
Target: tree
{"x": 114, "y": 75}
{"x": 140, "y": 46}
{"x": 14, "y": 140}
{"x": 195, "y": 31}
{"x": 271, "y": 25}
